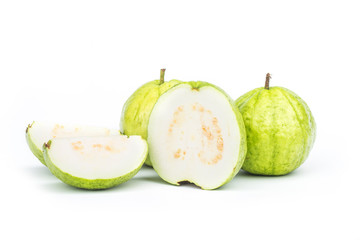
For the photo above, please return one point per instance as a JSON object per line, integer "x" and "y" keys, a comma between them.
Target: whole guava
{"x": 280, "y": 130}
{"x": 136, "y": 111}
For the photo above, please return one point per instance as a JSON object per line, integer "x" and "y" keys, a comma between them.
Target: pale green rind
{"x": 136, "y": 111}
{"x": 280, "y": 130}
{"x": 34, "y": 149}
{"x": 91, "y": 184}
{"x": 245, "y": 98}
{"x": 243, "y": 145}
{"x": 311, "y": 128}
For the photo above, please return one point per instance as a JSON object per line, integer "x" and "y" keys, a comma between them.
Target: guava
{"x": 280, "y": 130}
{"x": 39, "y": 133}
{"x": 95, "y": 162}
{"x": 137, "y": 108}
{"x": 196, "y": 134}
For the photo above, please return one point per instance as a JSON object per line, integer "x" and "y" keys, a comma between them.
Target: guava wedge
{"x": 39, "y": 133}
{"x": 95, "y": 162}
{"x": 280, "y": 130}
{"x": 196, "y": 134}
{"x": 137, "y": 109}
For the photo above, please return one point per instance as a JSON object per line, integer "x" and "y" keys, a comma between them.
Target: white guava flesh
{"x": 196, "y": 135}
{"x": 95, "y": 162}
{"x": 39, "y": 133}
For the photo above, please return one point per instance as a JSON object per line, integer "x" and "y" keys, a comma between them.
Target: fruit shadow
{"x": 243, "y": 174}
{"x": 40, "y": 171}
{"x": 51, "y": 182}
{"x": 61, "y": 187}
{"x": 148, "y": 174}
{"x": 246, "y": 181}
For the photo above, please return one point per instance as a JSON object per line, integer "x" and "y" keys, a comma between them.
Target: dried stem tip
{"x": 268, "y": 77}
{"x": 162, "y": 75}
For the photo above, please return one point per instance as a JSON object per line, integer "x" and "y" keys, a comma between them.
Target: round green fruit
{"x": 136, "y": 111}
{"x": 280, "y": 130}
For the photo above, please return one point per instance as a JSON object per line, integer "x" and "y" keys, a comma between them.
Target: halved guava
{"x": 95, "y": 162}
{"x": 196, "y": 134}
{"x": 39, "y": 133}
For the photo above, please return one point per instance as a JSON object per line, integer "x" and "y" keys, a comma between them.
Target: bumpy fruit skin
{"x": 280, "y": 130}
{"x": 136, "y": 111}
{"x": 91, "y": 184}
{"x": 34, "y": 149}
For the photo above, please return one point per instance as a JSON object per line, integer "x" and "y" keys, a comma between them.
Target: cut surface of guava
{"x": 39, "y": 133}
{"x": 95, "y": 162}
{"x": 196, "y": 134}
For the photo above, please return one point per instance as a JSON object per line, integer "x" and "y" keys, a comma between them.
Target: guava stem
{"x": 162, "y": 75}
{"x": 268, "y": 77}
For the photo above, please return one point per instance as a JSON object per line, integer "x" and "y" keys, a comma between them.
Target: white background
{"x": 78, "y": 61}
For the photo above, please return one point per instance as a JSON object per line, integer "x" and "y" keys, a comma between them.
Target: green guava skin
{"x": 136, "y": 111}
{"x": 243, "y": 146}
{"x": 90, "y": 184}
{"x": 34, "y": 149}
{"x": 280, "y": 130}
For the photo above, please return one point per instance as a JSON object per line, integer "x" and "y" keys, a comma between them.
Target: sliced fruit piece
{"x": 196, "y": 134}
{"x": 39, "y": 133}
{"x": 95, "y": 162}
{"x": 137, "y": 109}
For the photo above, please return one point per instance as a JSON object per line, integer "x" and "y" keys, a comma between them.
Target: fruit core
{"x": 197, "y": 134}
